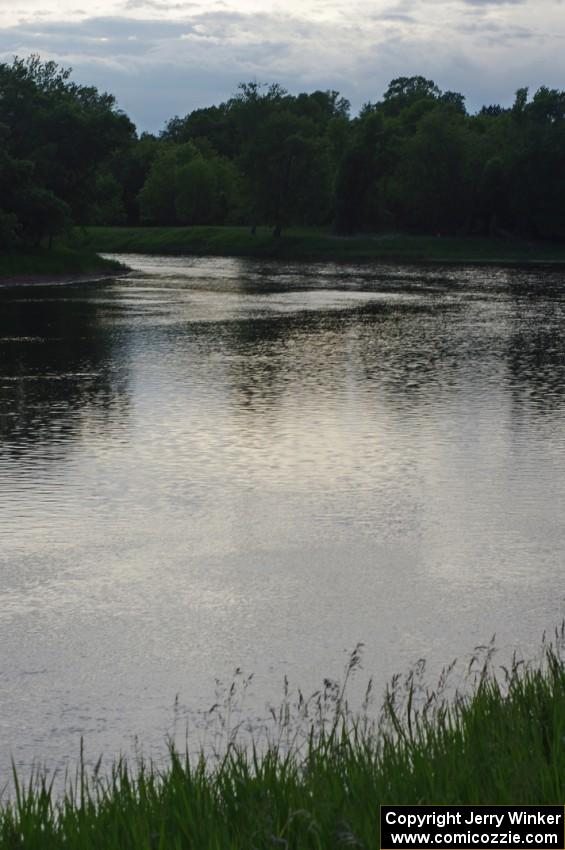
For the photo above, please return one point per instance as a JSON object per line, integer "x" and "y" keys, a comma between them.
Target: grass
{"x": 317, "y": 244}
{"x": 61, "y": 261}
{"x": 318, "y": 785}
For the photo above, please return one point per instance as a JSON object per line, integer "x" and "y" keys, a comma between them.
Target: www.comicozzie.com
{"x": 461, "y": 827}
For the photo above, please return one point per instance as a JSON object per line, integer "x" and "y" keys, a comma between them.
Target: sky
{"x": 166, "y": 57}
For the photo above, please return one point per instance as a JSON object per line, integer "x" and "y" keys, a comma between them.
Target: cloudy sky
{"x": 166, "y": 57}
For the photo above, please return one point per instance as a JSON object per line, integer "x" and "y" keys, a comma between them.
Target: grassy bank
{"x": 311, "y": 244}
{"x": 501, "y": 744}
{"x": 60, "y": 262}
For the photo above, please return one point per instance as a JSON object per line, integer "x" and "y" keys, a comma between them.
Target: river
{"x": 214, "y": 464}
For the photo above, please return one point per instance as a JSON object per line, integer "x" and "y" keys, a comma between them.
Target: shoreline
{"x": 310, "y": 245}
{"x": 497, "y": 739}
{"x": 400, "y": 260}
{"x": 61, "y": 264}
{"x": 66, "y": 279}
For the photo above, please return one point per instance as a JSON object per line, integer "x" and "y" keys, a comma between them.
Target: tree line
{"x": 414, "y": 161}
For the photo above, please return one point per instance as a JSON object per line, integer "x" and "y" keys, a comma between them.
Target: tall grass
{"x": 316, "y": 780}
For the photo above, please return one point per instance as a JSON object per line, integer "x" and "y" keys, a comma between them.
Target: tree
{"x": 8, "y": 230}
{"x": 41, "y": 214}
{"x": 284, "y": 158}
{"x": 358, "y": 189}
{"x": 196, "y": 192}
{"x": 157, "y": 196}
{"x": 537, "y": 164}
{"x": 184, "y": 186}
{"x": 61, "y": 134}
{"x": 403, "y": 91}
{"x": 492, "y": 196}
{"x": 433, "y": 180}
{"x": 130, "y": 166}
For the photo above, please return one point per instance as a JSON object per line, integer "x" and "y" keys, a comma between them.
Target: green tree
{"x": 41, "y": 215}
{"x": 62, "y": 134}
{"x": 284, "y": 159}
{"x": 433, "y": 181}
{"x": 404, "y": 91}
{"x": 185, "y": 187}
{"x": 196, "y": 194}
{"x": 157, "y": 196}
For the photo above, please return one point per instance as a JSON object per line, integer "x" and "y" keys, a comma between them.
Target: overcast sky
{"x": 166, "y": 57}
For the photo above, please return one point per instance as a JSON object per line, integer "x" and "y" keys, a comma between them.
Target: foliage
{"x": 55, "y": 135}
{"x": 183, "y": 186}
{"x": 8, "y": 229}
{"x": 415, "y": 161}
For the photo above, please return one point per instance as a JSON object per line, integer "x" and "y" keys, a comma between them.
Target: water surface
{"x": 218, "y": 463}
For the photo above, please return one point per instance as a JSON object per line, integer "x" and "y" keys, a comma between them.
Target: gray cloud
{"x": 489, "y": 28}
{"x": 158, "y": 6}
{"x": 161, "y": 67}
{"x": 398, "y": 17}
{"x": 485, "y": 3}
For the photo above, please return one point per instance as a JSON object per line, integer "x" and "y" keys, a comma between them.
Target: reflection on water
{"x": 222, "y": 463}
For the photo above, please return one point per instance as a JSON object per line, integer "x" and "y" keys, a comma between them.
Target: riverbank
{"x": 62, "y": 263}
{"x": 312, "y": 244}
{"x": 321, "y": 789}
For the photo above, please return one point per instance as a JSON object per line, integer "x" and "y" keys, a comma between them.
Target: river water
{"x": 215, "y": 464}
